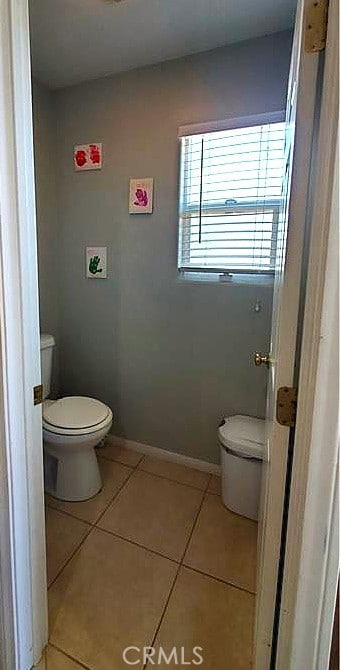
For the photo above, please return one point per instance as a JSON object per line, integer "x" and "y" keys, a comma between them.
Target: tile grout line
{"x": 91, "y": 524}
{"x": 121, "y": 537}
{"x": 154, "y": 552}
{"x": 219, "y": 579}
{"x": 72, "y": 516}
{"x": 70, "y": 557}
{"x": 174, "y": 560}
{"x": 141, "y": 546}
{"x": 137, "y": 544}
{"x": 179, "y": 564}
{"x": 195, "y": 521}
{"x": 201, "y": 572}
{"x": 164, "y": 610}
{"x": 156, "y": 474}
{"x": 113, "y": 460}
{"x": 72, "y": 658}
{"x": 114, "y": 496}
{"x": 133, "y": 468}
{"x": 92, "y": 527}
{"x": 178, "y": 570}
{"x": 168, "y": 479}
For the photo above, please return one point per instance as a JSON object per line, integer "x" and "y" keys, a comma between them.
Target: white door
{"x": 301, "y": 104}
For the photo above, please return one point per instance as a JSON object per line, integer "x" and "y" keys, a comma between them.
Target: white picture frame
{"x": 88, "y": 156}
{"x": 96, "y": 262}
{"x": 141, "y": 196}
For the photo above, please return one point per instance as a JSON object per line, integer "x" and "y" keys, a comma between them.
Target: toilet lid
{"x": 244, "y": 435}
{"x": 75, "y": 413}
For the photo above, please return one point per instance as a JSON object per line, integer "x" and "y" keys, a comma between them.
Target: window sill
{"x": 216, "y": 279}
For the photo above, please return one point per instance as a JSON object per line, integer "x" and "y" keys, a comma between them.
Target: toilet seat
{"x": 75, "y": 415}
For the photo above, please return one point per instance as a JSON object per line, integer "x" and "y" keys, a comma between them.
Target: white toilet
{"x": 72, "y": 427}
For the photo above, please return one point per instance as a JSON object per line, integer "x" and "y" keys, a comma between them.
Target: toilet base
{"x": 71, "y": 469}
{"x": 73, "y": 477}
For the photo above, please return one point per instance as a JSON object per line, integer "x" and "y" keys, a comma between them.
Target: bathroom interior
{"x": 153, "y": 412}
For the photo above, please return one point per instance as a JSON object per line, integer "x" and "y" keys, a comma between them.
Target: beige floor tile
{"x": 118, "y": 453}
{"x": 54, "y": 659}
{"x": 113, "y": 476}
{"x": 109, "y": 596}
{"x": 205, "y": 613}
{"x": 224, "y": 545}
{"x": 154, "y": 512}
{"x": 214, "y": 485}
{"x": 174, "y": 471}
{"x": 63, "y": 535}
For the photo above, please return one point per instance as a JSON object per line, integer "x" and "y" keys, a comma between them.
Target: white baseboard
{"x": 165, "y": 455}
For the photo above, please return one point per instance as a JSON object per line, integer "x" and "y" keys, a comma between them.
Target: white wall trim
{"x": 171, "y": 456}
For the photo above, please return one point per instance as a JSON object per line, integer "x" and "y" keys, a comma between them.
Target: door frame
{"x": 23, "y": 610}
{"x": 311, "y": 562}
{"x": 303, "y": 99}
{"x": 23, "y": 592}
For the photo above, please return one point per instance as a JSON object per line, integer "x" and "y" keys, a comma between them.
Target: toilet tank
{"x": 47, "y": 343}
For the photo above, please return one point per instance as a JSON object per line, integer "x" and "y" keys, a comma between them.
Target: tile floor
{"x": 154, "y": 559}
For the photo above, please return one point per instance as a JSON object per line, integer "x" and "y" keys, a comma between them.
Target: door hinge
{"x": 316, "y": 26}
{"x": 286, "y": 403}
{"x": 38, "y": 394}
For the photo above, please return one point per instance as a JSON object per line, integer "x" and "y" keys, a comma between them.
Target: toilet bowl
{"x": 72, "y": 428}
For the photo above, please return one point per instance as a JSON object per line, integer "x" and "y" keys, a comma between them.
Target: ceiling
{"x": 78, "y": 40}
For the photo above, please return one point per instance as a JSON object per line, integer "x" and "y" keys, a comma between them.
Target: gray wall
{"x": 47, "y": 215}
{"x": 171, "y": 358}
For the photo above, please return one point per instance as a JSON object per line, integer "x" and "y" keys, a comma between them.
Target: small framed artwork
{"x": 141, "y": 196}
{"x": 87, "y": 156}
{"x": 96, "y": 262}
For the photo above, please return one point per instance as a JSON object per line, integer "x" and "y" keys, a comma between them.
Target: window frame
{"x": 273, "y": 204}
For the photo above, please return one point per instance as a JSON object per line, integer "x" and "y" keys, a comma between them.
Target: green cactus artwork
{"x": 93, "y": 265}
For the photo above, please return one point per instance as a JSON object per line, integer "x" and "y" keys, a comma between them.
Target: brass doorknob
{"x": 261, "y": 359}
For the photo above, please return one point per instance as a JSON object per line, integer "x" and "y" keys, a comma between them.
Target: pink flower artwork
{"x": 88, "y": 156}
{"x": 141, "y": 195}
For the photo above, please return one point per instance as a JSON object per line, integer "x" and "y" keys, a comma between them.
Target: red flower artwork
{"x": 88, "y": 156}
{"x": 94, "y": 154}
{"x": 141, "y": 197}
{"x": 80, "y": 157}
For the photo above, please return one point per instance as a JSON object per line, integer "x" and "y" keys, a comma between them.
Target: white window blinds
{"x": 230, "y": 195}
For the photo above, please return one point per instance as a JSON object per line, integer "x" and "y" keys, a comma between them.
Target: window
{"x": 230, "y": 195}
